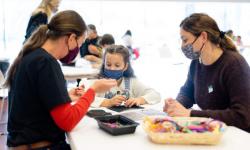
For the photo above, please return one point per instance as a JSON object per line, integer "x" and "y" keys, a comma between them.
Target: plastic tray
{"x": 116, "y": 124}
{"x": 97, "y": 113}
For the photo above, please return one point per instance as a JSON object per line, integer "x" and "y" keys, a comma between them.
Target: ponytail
{"x": 227, "y": 44}
{"x": 63, "y": 23}
{"x": 36, "y": 40}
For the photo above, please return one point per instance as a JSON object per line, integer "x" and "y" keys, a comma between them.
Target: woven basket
{"x": 206, "y": 138}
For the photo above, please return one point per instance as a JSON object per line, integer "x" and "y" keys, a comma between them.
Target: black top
{"x": 84, "y": 50}
{"x": 34, "y": 22}
{"x": 221, "y": 90}
{"x": 38, "y": 86}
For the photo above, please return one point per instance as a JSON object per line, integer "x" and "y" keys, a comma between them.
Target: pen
{"x": 78, "y": 82}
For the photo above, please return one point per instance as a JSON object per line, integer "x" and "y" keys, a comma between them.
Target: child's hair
{"x": 107, "y": 39}
{"x": 123, "y": 51}
{"x": 128, "y": 32}
{"x": 92, "y": 28}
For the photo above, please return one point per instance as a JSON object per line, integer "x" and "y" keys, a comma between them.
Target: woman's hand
{"x": 103, "y": 85}
{"x": 135, "y": 101}
{"x": 175, "y": 109}
{"x": 76, "y": 93}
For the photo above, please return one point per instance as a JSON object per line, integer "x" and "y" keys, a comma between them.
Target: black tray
{"x": 97, "y": 113}
{"x": 116, "y": 124}
{"x": 123, "y": 108}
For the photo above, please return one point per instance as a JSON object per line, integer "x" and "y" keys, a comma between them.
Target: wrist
{"x": 93, "y": 88}
{"x": 141, "y": 100}
{"x": 106, "y": 103}
{"x": 189, "y": 113}
{"x": 110, "y": 104}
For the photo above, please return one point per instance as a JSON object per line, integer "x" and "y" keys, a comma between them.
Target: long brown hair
{"x": 199, "y": 22}
{"x": 63, "y": 23}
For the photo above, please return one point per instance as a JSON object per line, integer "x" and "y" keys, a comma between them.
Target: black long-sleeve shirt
{"x": 34, "y": 22}
{"x": 221, "y": 90}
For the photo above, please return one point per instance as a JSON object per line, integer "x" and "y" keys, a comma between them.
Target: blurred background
{"x": 154, "y": 26}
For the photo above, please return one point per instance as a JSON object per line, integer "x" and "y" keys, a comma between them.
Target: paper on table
{"x": 139, "y": 114}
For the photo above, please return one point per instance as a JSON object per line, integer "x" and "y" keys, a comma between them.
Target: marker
{"x": 78, "y": 82}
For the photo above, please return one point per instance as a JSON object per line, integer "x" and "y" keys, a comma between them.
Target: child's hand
{"x": 117, "y": 100}
{"x": 134, "y": 101}
{"x": 175, "y": 109}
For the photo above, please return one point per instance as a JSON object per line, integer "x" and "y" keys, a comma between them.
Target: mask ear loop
{"x": 67, "y": 41}
{"x": 200, "y": 60}
{"x": 77, "y": 43}
{"x": 125, "y": 67}
{"x": 195, "y": 40}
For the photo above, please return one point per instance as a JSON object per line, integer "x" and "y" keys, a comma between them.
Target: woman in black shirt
{"x": 40, "y": 109}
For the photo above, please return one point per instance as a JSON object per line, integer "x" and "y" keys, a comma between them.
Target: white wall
{"x": 154, "y": 24}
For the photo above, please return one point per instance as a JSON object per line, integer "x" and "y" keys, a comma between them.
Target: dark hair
{"x": 229, "y": 31}
{"x": 199, "y": 22}
{"x": 123, "y": 51}
{"x": 128, "y": 32}
{"x": 92, "y": 27}
{"x": 107, "y": 39}
{"x": 63, "y": 23}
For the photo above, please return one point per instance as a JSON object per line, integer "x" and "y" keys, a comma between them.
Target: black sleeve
{"x": 186, "y": 94}
{"x": 34, "y": 22}
{"x": 84, "y": 49}
{"x": 52, "y": 89}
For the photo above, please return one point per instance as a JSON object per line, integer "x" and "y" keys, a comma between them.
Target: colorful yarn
{"x": 169, "y": 125}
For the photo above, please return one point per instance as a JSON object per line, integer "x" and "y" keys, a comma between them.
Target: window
{"x": 154, "y": 24}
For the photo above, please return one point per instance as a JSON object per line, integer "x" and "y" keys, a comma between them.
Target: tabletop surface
{"x": 87, "y": 135}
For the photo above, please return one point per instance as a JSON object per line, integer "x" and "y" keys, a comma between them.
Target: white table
{"x": 87, "y": 135}
{"x": 73, "y": 73}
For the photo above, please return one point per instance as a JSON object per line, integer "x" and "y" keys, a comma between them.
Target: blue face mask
{"x": 113, "y": 74}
